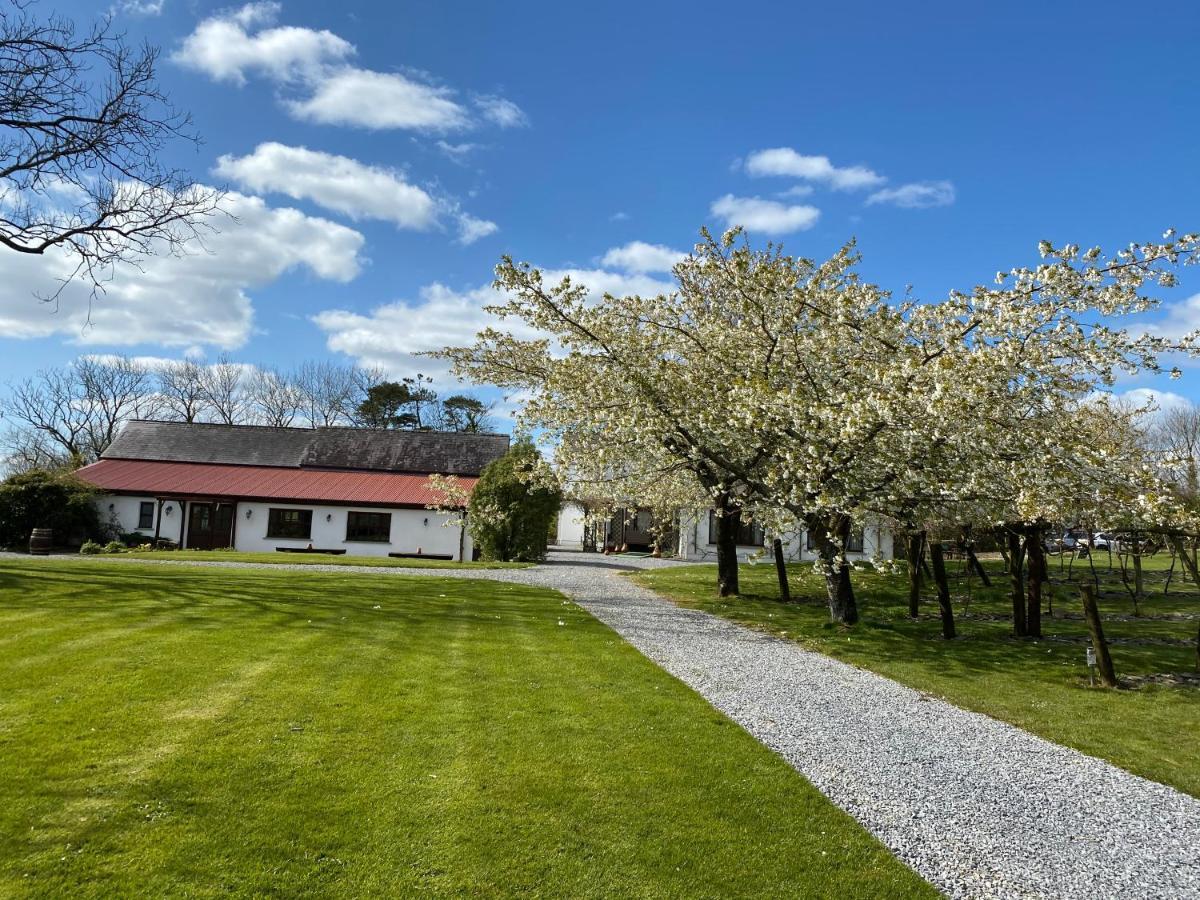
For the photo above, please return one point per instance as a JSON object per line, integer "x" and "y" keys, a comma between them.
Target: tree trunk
{"x": 916, "y": 545}
{"x": 728, "y": 517}
{"x": 1138, "y": 584}
{"x": 943, "y": 589}
{"x": 1035, "y": 555}
{"x": 785, "y": 593}
{"x": 1189, "y": 561}
{"x": 842, "y": 607}
{"x": 1108, "y": 676}
{"x": 1016, "y": 581}
{"x": 845, "y": 610}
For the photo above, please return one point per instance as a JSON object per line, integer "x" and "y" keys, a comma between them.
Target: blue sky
{"x": 954, "y": 137}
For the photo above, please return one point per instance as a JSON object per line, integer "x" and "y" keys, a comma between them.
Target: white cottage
{"x": 355, "y": 491}
{"x": 697, "y": 538}
{"x": 698, "y": 541}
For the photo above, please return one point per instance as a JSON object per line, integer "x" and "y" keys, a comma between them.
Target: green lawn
{"x": 200, "y": 732}
{"x": 313, "y": 559}
{"x": 1039, "y": 685}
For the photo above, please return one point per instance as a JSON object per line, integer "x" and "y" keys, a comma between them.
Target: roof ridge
{"x": 220, "y": 425}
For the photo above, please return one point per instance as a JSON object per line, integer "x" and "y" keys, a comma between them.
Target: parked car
{"x": 1102, "y": 540}
{"x": 1077, "y": 541}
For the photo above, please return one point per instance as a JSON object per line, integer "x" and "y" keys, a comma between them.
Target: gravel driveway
{"x": 977, "y": 807}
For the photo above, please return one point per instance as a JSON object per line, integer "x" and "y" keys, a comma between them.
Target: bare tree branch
{"x": 83, "y": 124}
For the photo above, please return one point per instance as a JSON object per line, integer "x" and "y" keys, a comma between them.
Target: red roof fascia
{"x": 131, "y": 476}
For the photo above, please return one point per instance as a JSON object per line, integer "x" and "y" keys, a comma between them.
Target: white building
{"x": 696, "y": 539}
{"x": 571, "y": 526}
{"x": 355, "y": 491}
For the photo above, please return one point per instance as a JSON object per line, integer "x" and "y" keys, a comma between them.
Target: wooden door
{"x": 200, "y": 526}
{"x": 222, "y": 531}
{"x": 210, "y": 526}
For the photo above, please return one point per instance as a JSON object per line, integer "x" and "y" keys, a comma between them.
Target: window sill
{"x": 288, "y": 537}
{"x": 365, "y": 541}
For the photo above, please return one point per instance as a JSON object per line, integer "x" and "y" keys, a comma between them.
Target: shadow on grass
{"x": 888, "y": 640}
{"x": 243, "y": 597}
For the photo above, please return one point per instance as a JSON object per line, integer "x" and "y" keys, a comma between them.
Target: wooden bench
{"x": 310, "y": 550}
{"x": 421, "y": 556}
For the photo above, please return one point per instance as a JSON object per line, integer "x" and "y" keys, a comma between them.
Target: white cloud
{"x": 141, "y": 7}
{"x": 500, "y": 111}
{"x": 350, "y": 187}
{"x": 796, "y": 190}
{"x": 391, "y": 335}
{"x": 1159, "y": 401}
{"x": 638, "y": 256}
{"x": 313, "y": 65}
{"x": 767, "y": 216}
{"x": 338, "y": 183}
{"x": 619, "y": 216}
{"x": 199, "y": 299}
{"x": 1183, "y": 317}
{"x": 380, "y": 100}
{"x": 223, "y": 47}
{"x": 471, "y": 229}
{"x": 917, "y": 195}
{"x": 601, "y": 281}
{"x": 787, "y": 162}
{"x": 457, "y": 152}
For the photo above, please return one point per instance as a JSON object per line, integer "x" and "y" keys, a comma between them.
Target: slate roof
{"x": 354, "y": 449}
{"x": 447, "y": 453}
{"x": 234, "y": 445}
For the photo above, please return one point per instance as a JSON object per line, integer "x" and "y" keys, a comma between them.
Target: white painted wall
{"x": 412, "y": 530}
{"x": 409, "y": 534}
{"x": 695, "y": 543}
{"x": 122, "y": 512}
{"x": 570, "y": 526}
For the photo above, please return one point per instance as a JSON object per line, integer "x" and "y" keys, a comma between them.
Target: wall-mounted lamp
{"x": 426, "y": 521}
{"x": 249, "y": 513}
{"x": 112, "y": 507}
{"x": 167, "y": 510}
{"x": 328, "y": 517}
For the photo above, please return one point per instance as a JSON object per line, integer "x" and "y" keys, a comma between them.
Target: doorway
{"x": 210, "y": 526}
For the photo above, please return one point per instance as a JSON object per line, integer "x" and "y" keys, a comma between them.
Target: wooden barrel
{"x": 40, "y": 542}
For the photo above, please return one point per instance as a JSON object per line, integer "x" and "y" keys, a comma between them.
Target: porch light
{"x": 167, "y": 510}
{"x": 112, "y": 507}
{"x": 427, "y": 521}
{"x": 328, "y": 517}
{"x": 249, "y": 512}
